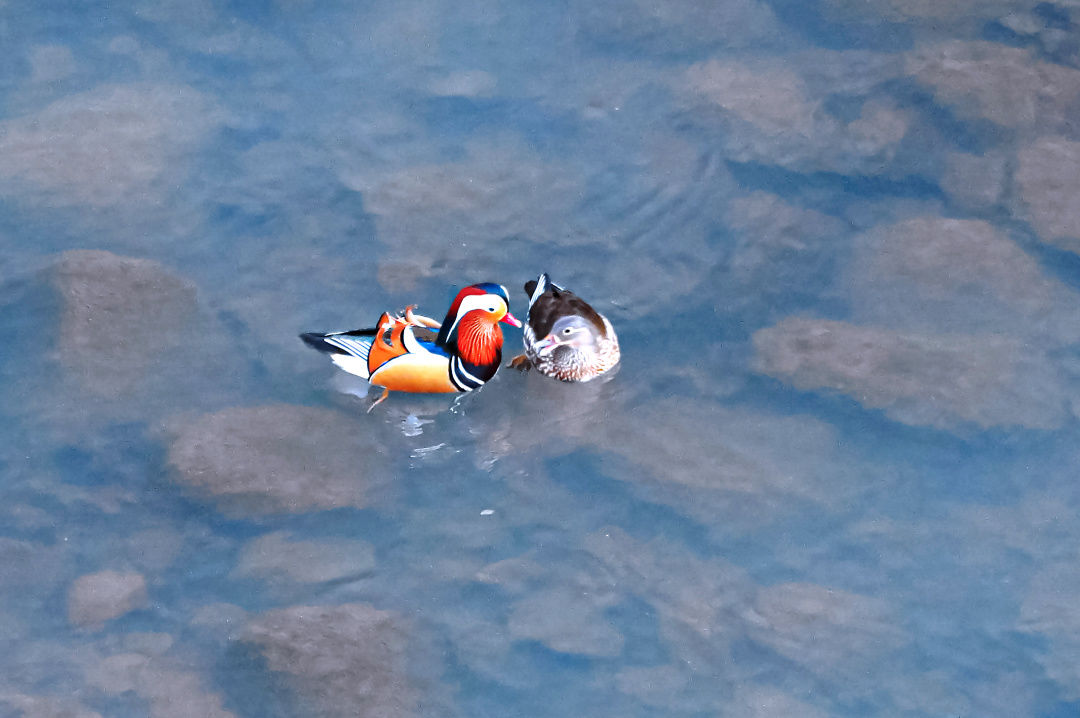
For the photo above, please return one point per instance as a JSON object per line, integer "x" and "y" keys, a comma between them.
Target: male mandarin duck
{"x": 565, "y": 338}
{"x": 414, "y": 353}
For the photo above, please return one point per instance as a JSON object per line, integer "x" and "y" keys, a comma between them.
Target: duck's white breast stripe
{"x": 541, "y": 287}
{"x": 412, "y": 344}
{"x": 461, "y": 378}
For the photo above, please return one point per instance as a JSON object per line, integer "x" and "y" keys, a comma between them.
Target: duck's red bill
{"x": 511, "y": 320}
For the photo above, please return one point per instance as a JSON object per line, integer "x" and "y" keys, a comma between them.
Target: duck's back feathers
{"x": 548, "y": 301}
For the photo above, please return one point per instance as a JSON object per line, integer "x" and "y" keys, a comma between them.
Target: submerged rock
{"x": 109, "y": 146}
{"x": 120, "y": 316}
{"x": 25, "y": 706}
{"x": 98, "y": 597}
{"x": 1002, "y": 84}
{"x": 276, "y": 459}
{"x": 937, "y": 14}
{"x": 712, "y": 461}
{"x": 349, "y": 660}
{"x": 956, "y": 275}
{"x": 764, "y": 701}
{"x": 975, "y": 182}
{"x": 769, "y": 114}
{"x": 1048, "y": 178}
{"x": 220, "y": 618}
{"x": 169, "y": 690}
{"x": 276, "y": 557}
{"x": 29, "y": 565}
{"x": 699, "y": 601}
{"x": 778, "y": 248}
{"x": 822, "y": 628}
{"x": 678, "y": 26}
{"x": 939, "y": 380}
{"x": 776, "y": 101}
{"x": 1049, "y": 612}
{"x": 565, "y": 620}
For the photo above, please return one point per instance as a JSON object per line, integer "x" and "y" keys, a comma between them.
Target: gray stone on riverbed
{"x": 99, "y": 597}
{"x": 120, "y": 315}
{"x": 25, "y": 706}
{"x": 351, "y": 660}
{"x": 167, "y": 687}
{"x": 276, "y": 459}
{"x": 764, "y": 113}
{"x": 940, "y": 274}
{"x": 698, "y": 601}
{"x": 939, "y": 380}
{"x": 1008, "y": 86}
{"x": 567, "y": 620}
{"x": 709, "y": 460}
{"x": 975, "y": 182}
{"x": 824, "y": 629}
{"x": 277, "y": 558}
{"x": 117, "y": 145}
{"x": 1048, "y": 180}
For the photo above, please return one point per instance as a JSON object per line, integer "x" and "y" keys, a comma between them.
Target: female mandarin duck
{"x": 404, "y": 354}
{"x": 565, "y": 338}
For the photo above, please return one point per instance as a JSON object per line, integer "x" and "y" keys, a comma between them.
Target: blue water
{"x": 834, "y": 474}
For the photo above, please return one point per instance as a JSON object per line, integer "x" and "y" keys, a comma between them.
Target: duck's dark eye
{"x": 567, "y": 330}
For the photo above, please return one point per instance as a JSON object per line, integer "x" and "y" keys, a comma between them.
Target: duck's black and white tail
{"x": 349, "y": 350}
{"x": 535, "y": 287}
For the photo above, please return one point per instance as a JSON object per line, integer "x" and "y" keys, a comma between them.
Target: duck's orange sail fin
{"x": 388, "y": 343}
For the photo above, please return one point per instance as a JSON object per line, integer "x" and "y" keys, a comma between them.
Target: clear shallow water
{"x": 834, "y": 475}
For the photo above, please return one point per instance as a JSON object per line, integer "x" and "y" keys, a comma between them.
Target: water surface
{"x": 833, "y": 476}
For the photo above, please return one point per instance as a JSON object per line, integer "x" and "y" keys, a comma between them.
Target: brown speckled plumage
{"x": 565, "y": 338}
